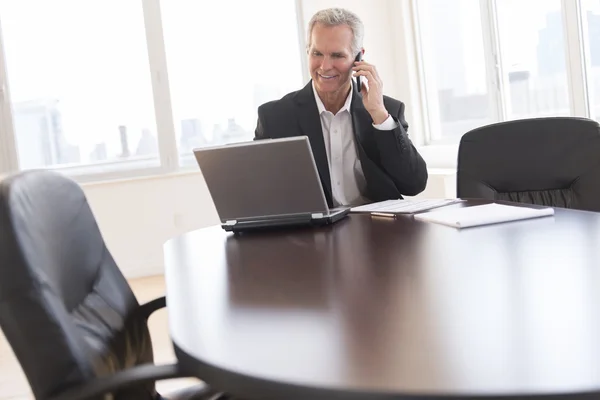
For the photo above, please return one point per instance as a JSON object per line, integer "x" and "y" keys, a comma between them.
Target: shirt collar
{"x": 321, "y": 106}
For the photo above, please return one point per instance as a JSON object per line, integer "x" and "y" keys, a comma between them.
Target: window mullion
{"x": 574, "y": 52}
{"x": 493, "y": 60}
{"x": 8, "y": 149}
{"x": 167, "y": 143}
{"x": 426, "y": 101}
{"x": 302, "y": 40}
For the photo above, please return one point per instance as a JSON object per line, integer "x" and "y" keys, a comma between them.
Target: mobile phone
{"x": 358, "y": 58}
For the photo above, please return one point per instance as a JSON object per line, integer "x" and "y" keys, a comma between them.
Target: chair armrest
{"x": 120, "y": 380}
{"x": 148, "y": 308}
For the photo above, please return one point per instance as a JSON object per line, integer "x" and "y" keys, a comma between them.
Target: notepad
{"x": 483, "y": 215}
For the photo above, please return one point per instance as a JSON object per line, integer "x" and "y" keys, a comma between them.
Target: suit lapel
{"x": 310, "y": 125}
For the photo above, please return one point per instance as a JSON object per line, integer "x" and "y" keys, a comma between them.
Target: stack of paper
{"x": 403, "y": 206}
{"x": 482, "y": 215}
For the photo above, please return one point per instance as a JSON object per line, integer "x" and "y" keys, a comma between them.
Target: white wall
{"x": 137, "y": 216}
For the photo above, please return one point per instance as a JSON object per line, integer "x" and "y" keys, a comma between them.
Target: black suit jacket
{"x": 391, "y": 164}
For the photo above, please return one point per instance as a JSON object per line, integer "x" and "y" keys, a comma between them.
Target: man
{"x": 358, "y": 139}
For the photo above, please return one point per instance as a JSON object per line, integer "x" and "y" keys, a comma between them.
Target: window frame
{"x": 168, "y": 153}
{"x": 575, "y": 57}
{"x": 407, "y": 51}
{"x": 8, "y": 149}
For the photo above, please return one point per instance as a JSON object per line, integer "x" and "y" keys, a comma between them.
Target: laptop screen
{"x": 263, "y": 178}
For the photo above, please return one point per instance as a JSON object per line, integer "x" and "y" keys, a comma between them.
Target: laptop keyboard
{"x": 404, "y": 206}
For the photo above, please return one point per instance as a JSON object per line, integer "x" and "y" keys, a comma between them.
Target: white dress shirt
{"x": 347, "y": 178}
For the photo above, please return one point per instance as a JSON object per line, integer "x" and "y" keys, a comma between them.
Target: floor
{"x": 14, "y": 386}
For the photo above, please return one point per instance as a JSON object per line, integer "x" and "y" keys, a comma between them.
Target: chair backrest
{"x": 65, "y": 307}
{"x": 547, "y": 161}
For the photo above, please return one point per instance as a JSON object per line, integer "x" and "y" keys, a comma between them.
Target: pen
{"x": 380, "y": 214}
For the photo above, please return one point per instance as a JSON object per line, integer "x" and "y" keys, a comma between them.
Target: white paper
{"x": 403, "y": 206}
{"x": 465, "y": 217}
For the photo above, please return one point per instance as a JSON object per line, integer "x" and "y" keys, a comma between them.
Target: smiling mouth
{"x": 327, "y": 77}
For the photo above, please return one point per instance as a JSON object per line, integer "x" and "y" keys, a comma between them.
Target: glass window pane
{"x": 454, "y": 65}
{"x": 590, "y": 12}
{"x": 223, "y": 64}
{"x": 79, "y": 81}
{"x": 532, "y": 46}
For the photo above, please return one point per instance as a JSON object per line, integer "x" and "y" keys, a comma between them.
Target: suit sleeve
{"x": 400, "y": 159}
{"x": 261, "y": 132}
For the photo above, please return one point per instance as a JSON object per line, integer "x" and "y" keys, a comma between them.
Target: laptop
{"x": 265, "y": 184}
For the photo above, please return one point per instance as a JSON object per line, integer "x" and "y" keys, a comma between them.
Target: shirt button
{"x": 335, "y": 131}
{"x": 338, "y": 183}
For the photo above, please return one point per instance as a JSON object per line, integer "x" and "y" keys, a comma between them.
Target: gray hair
{"x": 339, "y": 16}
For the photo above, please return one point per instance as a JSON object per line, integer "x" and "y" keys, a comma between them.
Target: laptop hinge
{"x": 275, "y": 218}
{"x": 231, "y": 222}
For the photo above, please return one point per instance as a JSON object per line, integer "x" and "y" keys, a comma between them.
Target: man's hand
{"x": 373, "y": 96}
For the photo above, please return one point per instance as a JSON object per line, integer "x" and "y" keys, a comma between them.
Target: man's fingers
{"x": 363, "y": 66}
{"x": 367, "y": 67}
{"x": 369, "y": 75}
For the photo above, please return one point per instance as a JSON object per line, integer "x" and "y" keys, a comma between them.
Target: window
{"x": 532, "y": 50}
{"x": 455, "y": 74}
{"x": 221, "y": 69}
{"x": 83, "y": 88}
{"x": 485, "y": 61}
{"x": 79, "y": 82}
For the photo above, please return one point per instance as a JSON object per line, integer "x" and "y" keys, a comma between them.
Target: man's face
{"x": 329, "y": 57}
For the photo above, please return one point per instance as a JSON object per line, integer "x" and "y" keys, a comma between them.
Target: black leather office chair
{"x": 547, "y": 161}
{"x": 67, "y": 311}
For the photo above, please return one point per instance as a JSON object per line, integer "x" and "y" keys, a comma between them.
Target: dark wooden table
{"x": 380, "y": 308}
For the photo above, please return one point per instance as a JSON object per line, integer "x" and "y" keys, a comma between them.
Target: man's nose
{"x": 326, "y": 64}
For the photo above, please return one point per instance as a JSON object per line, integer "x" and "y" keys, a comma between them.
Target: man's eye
{"x": 316, "y": 53}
